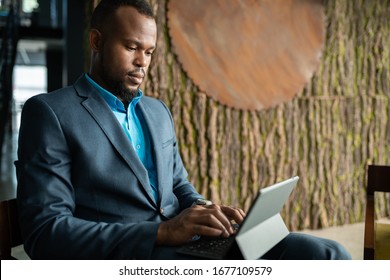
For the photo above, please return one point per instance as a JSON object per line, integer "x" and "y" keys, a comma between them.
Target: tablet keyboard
{"x": 210, "y": 248}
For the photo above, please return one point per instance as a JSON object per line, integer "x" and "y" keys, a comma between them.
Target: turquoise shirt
{"x": 134, "y": 128}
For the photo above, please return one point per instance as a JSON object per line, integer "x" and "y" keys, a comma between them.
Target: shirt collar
{"x": 111, "y": 99}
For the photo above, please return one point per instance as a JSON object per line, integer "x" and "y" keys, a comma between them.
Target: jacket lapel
{"x": 102, "y": 114}
{"x": 156, "y": 147}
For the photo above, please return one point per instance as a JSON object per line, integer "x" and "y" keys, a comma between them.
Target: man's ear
{"x": 95, "y": 40}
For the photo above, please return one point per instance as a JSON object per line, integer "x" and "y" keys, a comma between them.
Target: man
{"x": 99, "y": 172}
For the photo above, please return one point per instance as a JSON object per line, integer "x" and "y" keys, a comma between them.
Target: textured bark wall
{"x": 327, "y": 135}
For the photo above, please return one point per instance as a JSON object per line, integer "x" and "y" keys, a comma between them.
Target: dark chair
{"x": 10, "y": 235}
{"x": 376, "y": 235}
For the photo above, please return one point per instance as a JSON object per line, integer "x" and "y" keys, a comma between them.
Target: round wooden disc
{"x": 250, "y": 54}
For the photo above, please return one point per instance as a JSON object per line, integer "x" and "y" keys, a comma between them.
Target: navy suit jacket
{"x": 82, "y": 191}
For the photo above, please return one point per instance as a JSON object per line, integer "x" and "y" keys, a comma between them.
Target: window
{"x": 28, "y": 6}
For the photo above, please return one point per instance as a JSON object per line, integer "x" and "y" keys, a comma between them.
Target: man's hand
{"x": 210, "y": 220}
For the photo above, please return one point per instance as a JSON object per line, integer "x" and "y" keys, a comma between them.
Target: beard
{"x": 117, "y": 86}
{"x": 123, "y": 93}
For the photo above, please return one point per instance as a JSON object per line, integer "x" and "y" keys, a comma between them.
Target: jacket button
{"x": 161, "y": 211}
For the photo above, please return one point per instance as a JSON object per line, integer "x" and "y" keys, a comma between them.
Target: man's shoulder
{"x": 58, "y": 93}
{"x": 153, "y": 103}
{"x": 63, "y": 90}
{"x": 56, "y": 96}
{"x": 151, "y": 100}
{"x": 156, "y": 108}
{"x": 65, "y": 93}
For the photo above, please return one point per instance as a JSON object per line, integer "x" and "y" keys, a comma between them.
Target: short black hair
{"x": 106, "y": 8}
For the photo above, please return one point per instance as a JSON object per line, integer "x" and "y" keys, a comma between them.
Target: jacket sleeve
{"x": 46, "y": 199}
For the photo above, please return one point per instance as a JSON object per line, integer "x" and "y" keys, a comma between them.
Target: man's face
{"x": 126, "y": 51}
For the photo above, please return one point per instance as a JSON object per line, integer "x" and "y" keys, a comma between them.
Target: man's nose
{"x": 141, "y": 60}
